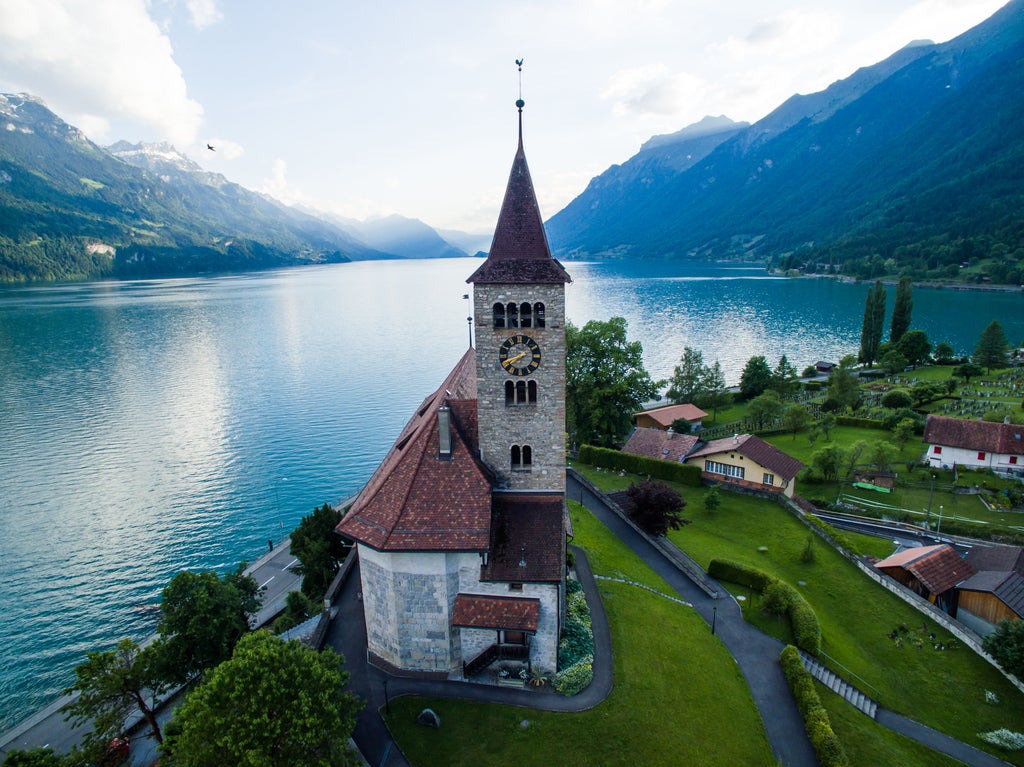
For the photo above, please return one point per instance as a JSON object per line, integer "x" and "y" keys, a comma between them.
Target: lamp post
{"x": 469, "y": 320}
{"x": 938, "y": 529}
{"x": 387, "y": 701}
{"x": 928, "y": 514}
{"x": 714, "y": 618}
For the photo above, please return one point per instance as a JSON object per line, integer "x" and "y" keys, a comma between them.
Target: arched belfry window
{"x": 525, "y": 314}
{"x": 520, "y": 393}
{"x": 538, "y": 315}
{"x": 512, "y": 315}
{"x": 522, "y": 458}
{"x": 499, "y": 315}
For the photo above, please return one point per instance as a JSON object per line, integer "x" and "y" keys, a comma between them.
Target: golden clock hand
{"x": 518, "y": 357}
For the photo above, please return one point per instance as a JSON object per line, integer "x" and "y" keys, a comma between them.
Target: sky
{"x": 364, "y": 109}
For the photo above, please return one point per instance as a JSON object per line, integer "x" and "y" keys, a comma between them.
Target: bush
{"x": 734, "y": 572}
{"x": 576, "y": 678}
{"x": 777, "y": 598}
{"x": 863, "y": 423}
{"x": 655, "y": 468}
{"x": 896, "y": 399}
{"x": 827, "y": 745}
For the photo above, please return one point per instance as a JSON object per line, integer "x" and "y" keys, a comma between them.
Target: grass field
{"x": 678, "y": 697}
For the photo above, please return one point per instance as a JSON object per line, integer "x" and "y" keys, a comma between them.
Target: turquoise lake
{"x": 148, "y": 427}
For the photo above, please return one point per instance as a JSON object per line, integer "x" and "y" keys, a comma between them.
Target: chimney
{"x": 444, "y": 432}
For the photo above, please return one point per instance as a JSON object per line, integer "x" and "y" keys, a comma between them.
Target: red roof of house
{"x": 657, "y": 443}
{"x": 527, "y": 538}
{"x": 519, "y": 251}
{"x": 985, "y": 436}
{"x": 478, "y": 611}
{"x": 666, "y": 415}
{"x": 418, "y": 501}
{"x": 754, "y": 448}
{"x": 939, "y": 568}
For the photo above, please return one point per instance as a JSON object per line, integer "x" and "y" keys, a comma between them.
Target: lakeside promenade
{"x": 47, "y": 726}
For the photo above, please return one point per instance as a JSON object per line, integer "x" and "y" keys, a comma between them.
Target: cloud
{"x": 203, "y": 13}
{"x": 97, "y": 61}
{"x": 791, "y": 35}
{"x": 652, "y": 90}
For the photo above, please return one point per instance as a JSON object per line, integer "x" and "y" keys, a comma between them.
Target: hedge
{"x": 655, "y": 468}
{"x": 864, "y": 423}
{"x": 802, "y": 619}
{"x": 827, "y": 746}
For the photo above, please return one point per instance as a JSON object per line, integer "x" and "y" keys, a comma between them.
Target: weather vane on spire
{"x": 519, "y": 102}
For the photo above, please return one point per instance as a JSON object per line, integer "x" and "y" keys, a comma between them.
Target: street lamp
{"x": 928, "y": 514}
{"x": 938, "y": 529}
{"x": 714, "y": 618}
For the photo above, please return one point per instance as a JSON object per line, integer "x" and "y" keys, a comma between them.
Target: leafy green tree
{"x": 827, "y": 423}
{"x": 756, "y": 377}
{"x": 882, "y": 454}
{"x": 319, "y": 549}
{"x": 687, "y": 382}
{"x": 892, "y": 361}
{"x": 854, "y": 453}
{"x": 795, "y": 418}
{"x": 925, "y": 391}
{"x": 715, "y": 395}
{"x": 655, "y": 507}
{"x": 904, "y": 431}
{"x": 992, "y": 347}
{"x": 203, "y": 615}
{"x": 944, "y": 352}
{"x": 681, "y": 426}
{"x": 1006, "y": 645}
{"x": 46, "y": 757}
{"x": 272, "y": 704}
{"x": 897, "y": 398}
{"x": 871, "y": 327}
{"x": 765, "y": 408}
{"x": 842, "y": 387}
{"x": 784, "y": 377}
{"x": 605, "y": 381}
{"x": 112, "y": 684}
{"x": 712, "y": 500}
{"x": 901, "y": 310}
{"x": 967, "y": 371}
{"x": 915, "y": 346}
{"x": 297, "y": 609}
{"x": 809, "y": 372}
{"x": 828, "y": 460}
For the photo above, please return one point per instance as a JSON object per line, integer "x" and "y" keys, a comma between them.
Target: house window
{"x": 515, "y": 587}
{"x": 769, "y": 479}
{"x": 937, "y": 450}
{"x": 981, "y": 455}
{"x": 520, "y": 393}
{"x": 538, "y": 315}
{"x": 513, "y": 637}
{"x": 714, "y": 467}
{"x": 498, "y": 313}
{"x": 522, "y": 458}
{"x": 1013, "y": 459}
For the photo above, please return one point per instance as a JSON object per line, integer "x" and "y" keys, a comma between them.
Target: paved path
{"x": 47, "y": 726}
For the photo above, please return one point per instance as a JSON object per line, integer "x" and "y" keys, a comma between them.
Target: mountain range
{"x": 914, "y": 165}
{"x": 911, "y": 166}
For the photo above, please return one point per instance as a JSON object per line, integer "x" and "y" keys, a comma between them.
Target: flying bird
{"x": 210, "y": 147}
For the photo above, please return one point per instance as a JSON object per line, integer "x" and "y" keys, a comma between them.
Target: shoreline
{"x": 893, "y": 281}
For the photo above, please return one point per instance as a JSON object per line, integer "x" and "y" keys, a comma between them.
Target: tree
{"x": 882, "y": 454}
{"x": 203, "y": 617}
{"x": 712, "y": 500}
{"x": 784, "y": 377}
{"x": 892, "y": 361}
{"x": 915, "y": 346}
{"x": 903, "y": 431}
{"x": 655, "y": 507}
{"x": 901, "y": 309}
{"x": 687, "y": 382}
{"x": 828, "y": 460}
{"x": 871, "y": 327}
{"x": 297, "y": 608}
{"x": 1006, "y": 645}
{"x": 756, "y": 377}
{"x": 795, "y": 418}
{"x": 272, "y": 704}
{"x": 715, "y": 394}
{"x": 897, "y": 398}
{"x": 681, "y": 426}
{"x": 854, "y": 453}
{"x": 765, "y": 408}
{"x": 46, "y": 757}
{"x": 109, "y": 686}
{"x": 605, "y": 381}
{"x": 319, "y": 549}
{"x": 992, "y": 347}
{"x": 944, "y": 352}
{"x": 967, "y": 371}
{"x": 842, "y": 386}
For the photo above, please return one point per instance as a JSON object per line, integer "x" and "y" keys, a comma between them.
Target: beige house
{"x": 749, "y": 461}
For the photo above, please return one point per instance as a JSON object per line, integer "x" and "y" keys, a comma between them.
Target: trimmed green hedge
{"x": 864, "y": 423}
{"x": 655, "y": 468}
{"x": 827, "y": 746}
{"x": 802, "y": 619}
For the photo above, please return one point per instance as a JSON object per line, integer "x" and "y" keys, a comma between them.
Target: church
{"x": 461, "y": 531}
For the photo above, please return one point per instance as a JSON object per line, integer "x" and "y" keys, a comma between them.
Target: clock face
{"x": 519, "y": 355}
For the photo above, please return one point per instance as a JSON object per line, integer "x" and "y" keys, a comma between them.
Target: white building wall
{"x": 969, "y": 459}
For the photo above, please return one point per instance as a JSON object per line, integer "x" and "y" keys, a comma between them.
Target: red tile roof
{"x": 656, "y": 443}
{"x": 527, "y": 538}
{"x": 939, "y": 568}
{"x": 416, "y": 501}
{"x": 519, "y": 251}
{"x": 490, "y": 612}
{"x": 986, "y": 436}
{"x": 666, "y": 415}
{"x": 754, "y": 448}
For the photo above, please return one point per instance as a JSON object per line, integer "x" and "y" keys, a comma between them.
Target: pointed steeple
{"x": 519, "y": 251}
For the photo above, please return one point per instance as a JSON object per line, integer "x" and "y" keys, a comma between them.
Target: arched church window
{"x": 499, "y": 315}
{"x": 538, "y": 315}
{"x": 522, "y": 457}
{"x": 525, "y": 312}
{"x": 512, "y": 315}
{"x": 520, "y": 393}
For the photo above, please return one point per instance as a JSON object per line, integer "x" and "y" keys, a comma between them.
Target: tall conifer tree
{"x": 871, "y": 328}
{"x": 992, "y": 347}
{"x": 901, "y": 311}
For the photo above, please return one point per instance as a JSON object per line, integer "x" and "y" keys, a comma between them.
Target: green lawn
{"x": 678, "y": 696}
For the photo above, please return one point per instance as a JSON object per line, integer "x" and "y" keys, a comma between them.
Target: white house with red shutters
{"x": 974, "y": 444}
